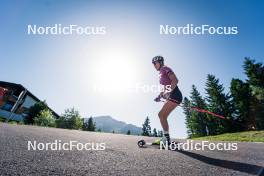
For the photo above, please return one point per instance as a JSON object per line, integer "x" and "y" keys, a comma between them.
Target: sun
{"x": 114, "y": 74}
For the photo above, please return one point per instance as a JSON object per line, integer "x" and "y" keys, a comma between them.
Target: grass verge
{"x": 247, "y": 136}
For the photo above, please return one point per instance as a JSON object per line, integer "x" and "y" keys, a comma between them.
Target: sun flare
{"x": 114, "y": 74}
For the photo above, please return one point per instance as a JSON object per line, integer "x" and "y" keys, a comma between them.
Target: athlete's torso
{"x": 164, "y": 75}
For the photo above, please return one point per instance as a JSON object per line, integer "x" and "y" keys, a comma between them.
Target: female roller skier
{"x": 170, "y": 92}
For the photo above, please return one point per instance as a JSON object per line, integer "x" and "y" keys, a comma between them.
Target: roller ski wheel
{"x": 141, "y": 143}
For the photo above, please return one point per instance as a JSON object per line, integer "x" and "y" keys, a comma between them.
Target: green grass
{"x": 2, "y": 119}
{"x": 247, "y": 136}
{"x": 11, "y": 121}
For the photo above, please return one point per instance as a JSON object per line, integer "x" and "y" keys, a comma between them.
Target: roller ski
{"x": 159, "y": 144}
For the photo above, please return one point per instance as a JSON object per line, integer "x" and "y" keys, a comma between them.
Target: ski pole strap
{"x": 203, "y": 111}
{"x": 208, "y": 112}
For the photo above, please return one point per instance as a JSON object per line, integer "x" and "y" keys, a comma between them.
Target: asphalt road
{"x": 120, "y": 157}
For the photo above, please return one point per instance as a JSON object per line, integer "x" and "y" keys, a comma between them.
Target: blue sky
{"x": 64, "y": 69}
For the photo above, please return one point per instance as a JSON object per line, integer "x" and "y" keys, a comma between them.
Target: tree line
{"x": 146, "y": 130}
{"x": 40, "y": 115}
{"x": 242, "y": 106}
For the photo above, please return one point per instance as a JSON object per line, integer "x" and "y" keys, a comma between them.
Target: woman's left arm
{"x": 174, "y": 80}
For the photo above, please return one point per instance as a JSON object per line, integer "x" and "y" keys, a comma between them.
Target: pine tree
{"x": 128, "y": 132}
{"x": 196, "y": 122}
{"x": 188, "y": 119}
{"x": 160, "y": 133}
{"x": 198, "y": 119}
{"x": 89, "y": 125}
{"x": 255, "y": 74}
{"x": 219, "y": 103}
{"x": 240, "y": 93}
{"x": 146, "y": 129}
{"x": 155, "y": 134}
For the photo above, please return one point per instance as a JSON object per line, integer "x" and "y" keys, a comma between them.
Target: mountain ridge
{"x": 109, "y": 124}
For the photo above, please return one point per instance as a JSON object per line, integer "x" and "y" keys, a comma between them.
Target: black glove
{"x": 157, "y": 99}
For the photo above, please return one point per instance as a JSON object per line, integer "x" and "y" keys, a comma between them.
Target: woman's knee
{"x": 162, "y": 115}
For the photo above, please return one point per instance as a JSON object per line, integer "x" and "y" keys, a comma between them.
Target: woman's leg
{"x": 167, "y": 108}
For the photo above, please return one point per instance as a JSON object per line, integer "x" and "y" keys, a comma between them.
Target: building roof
{"x": 19, "y": 86}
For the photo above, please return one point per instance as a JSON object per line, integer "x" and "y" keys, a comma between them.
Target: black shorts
{"x": 176, "y": 96}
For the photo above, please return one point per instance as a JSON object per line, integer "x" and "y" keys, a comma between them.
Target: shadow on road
{"x": 238, "y": 166}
